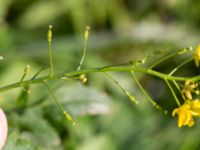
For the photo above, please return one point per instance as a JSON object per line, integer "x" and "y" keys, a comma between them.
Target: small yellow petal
{"x": 174, "y": 112}
{"x": 185, "y": 115}
{"x": 195, "y": 107}
{"x": 188, "y": 94}
{"x": 197, "y": 55}
{"x": 191, "y": 123}
{"x": 180, "y": 121}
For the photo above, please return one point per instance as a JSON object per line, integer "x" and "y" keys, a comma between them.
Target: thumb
{"x": 3, "y": 128}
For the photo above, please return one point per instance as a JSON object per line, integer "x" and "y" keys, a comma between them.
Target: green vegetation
{"x": 136, "y": 53}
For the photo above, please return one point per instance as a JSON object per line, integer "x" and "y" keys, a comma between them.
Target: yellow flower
{"x": 188, "y": 88}
{"x": 185, "y": 115}
{"x": 197, "y": 56}
{"x": 195, "y": 107}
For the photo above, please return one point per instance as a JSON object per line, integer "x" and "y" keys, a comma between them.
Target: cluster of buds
{"x": 190, "y": 108}
{"x": 189, "y": 89}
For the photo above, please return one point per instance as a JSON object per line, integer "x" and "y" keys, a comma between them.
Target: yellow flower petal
{"x": 191, "y": 122}
{"x": 195, "y": 107}
{"x": 188, "y": 94}
{"x": 184, "y": 115}
{"x": 197, "y": 55}
{"x": 174, "y": 112}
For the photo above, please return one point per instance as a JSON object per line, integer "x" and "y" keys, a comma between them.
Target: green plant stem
{"x": 163, "y": 59}
{"x": 123, "y": 68}
{"x": 53, "y": 96}
{"x": 172, "y": 91}
{"x": 22, "y": 78}
{"x": 131, "y": 97}
{"x": 84, "y": 54}
{"x": 179, "y": 66}
{"x": 50, "y": 58}
{"x": 65, "y": 113}
{"x": 177, "y": 86}
{"x": 146, "y": 94}
{"x": 39, "y": 71}
{"x": 180, "y": 52}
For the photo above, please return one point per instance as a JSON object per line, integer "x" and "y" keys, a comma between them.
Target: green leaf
{"x": 16, "y": 142}
{"x": 44, "y": 133}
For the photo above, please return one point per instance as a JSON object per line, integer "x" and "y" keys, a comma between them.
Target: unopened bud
{"x": 86, "y": 34}
{"x": 69, "y": 118}
{"x": 27, "y": 69}
{"x": 49, "y": 33}
{"x": 131, "y": 98}
{"x": 83, "y": 78}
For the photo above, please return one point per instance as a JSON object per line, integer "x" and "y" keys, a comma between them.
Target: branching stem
{"x": 146, "y": 94}
{"x": 123, "y": 68}
{"x": 172, "y": 91}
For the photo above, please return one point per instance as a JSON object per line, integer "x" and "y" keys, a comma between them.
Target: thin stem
{"x": 131, "y": 97}
{"x": 53, "y": 96}
{"x": 177, "y": 86}
{"x": 124, "y": 68}
{"x": 26, "y": 70}
{"x": 179, "y": 52}
{"x": 39, "y": 71}
{"x": 22, "y": 78}
{"x": 162, "y": 59}
{"x": 179, "y": 66}
{"x": 50, "y": 59}
{"x": 172, "y": 91}
{"x": 146, "y": 94}
{"x": 84, "y": 47}
{"x": 49, "y": 39}
{"x": 66, "y": 114}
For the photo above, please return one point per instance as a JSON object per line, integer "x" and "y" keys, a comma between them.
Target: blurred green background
{"x": 121, "y": 30}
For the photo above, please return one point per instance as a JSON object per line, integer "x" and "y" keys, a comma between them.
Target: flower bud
{"x": 86, "y": 34}
{"x": 49, "y": 33}
{"x": 83, "y": 78}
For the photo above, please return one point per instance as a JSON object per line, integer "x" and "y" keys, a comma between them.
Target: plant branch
{"x": 179, "y": 66}
{"x": 123, "y": 68}
{"x": 173, "y": 93}
{"x": 146, "y": 94}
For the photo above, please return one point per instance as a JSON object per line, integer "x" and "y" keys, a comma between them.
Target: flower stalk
{"x": 49, "y": 40}
{"x": 186, "y": 112}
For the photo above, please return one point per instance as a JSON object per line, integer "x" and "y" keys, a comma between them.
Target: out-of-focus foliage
{"x": 121, "y": 30}
{"x": 73, "y": 15}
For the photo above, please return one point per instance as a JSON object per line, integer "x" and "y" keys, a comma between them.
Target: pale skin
{"x": 3, "y": 129}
